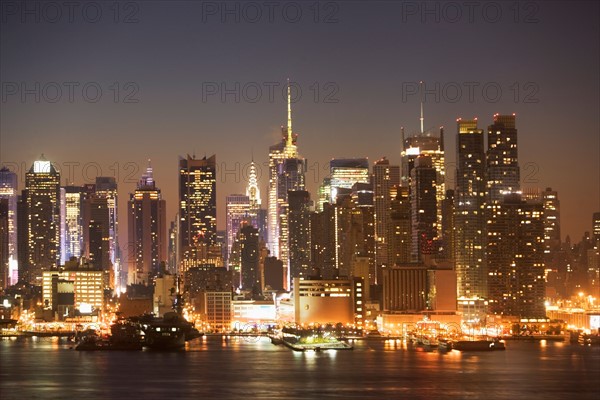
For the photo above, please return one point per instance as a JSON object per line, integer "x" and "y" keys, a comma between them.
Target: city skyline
{"x": 373, "y": 96}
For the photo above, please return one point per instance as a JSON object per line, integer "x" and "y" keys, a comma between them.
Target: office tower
{"x": 423, "y": 208}
{"x": 273, "y": 273}
{"x": 258, "y": 215}
{"x": 448, "y": 229}
{"x": 299, "y": 233}
{"x": 427, "y": 144}
{"x": 400, "y": 226}
{"x": 249, "y": 250}
{"x": 39, "y": 222}
{"x": 106, "y": 188}
{"x": 173, "y": 246}
{"x": 98, "y": 227}
{"x": 286, "y": 173}
{"x": 515, "y": 252}
{"x": 551, "y": 205}
{"x": 322, "y": 230}
{"x": 146, "y": 225}
{"x": 363, "y": 227}
{"x": 9, "y": 191}
{"x": 385, "y": 176}
{"x": 71, "y": 238}
{"x": 237, "y": 210}
{"x": 345, "y": 172}
{"x": 197, "y": 207}
{"x": 470, "y": 220}
{"x": 502, "y": 158}
{"x": 4, "y": 236}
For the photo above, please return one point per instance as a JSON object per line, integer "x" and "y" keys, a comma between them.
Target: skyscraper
{"x": 299, "y": 224}
{"x": 427, "y": 144}
{"x": 385, "y": 176}
{"x": 448, "y": 226}
{"x": 249, "y": 250}
{"x": 470, "y": 220}
{"x": 71, "y": 238}
{"x": 40, "y": 221}
{"x": 9, "y": 191}
{"x": 345, "y": 172}
{"x": 197, "y": 205}
{"x": 502, "y": 158}
{"x": 237, "y": 213}
{"x": 4, "y": 279}
{"x": 596, "y": 226}
{"x": 515, "y": 252}
{"x": 401, "y": 226}
{"x": 551, "y": 220}
{"x": 423, "y": 208}
{"x": 105, "y": 222}
{"x": 286, "y": 173}
{"x": 146, "y": 225}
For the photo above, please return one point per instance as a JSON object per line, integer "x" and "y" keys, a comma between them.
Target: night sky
{"x": 362, "y": 61}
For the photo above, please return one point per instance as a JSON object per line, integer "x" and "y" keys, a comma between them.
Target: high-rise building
{"x": 299, "y": 233}
{"x": 286, "y": 173}
{"x": 551, "y": 220}
{"x": 39, "y": 222}
{"x": 249, "y": 250}
{"x": 385, "y": 176}
{"x": 502, "y": 158}
{"x": 448, "y": 228}
{"x": 4, "y": 235}
{"x": 237, "y": 213}
{"x": 146, "y": 225}
{"x": 401, "y": 226}
{"x": 363, "y": 227}
{"x": 197, "y": 206}
{"x": 470, "y": 221}
{"x": 423, "y": 208}
{"x": 515, "y": 258}
{"x": 71, "y": 224}
{"x": 345, "y": 172}
{"x": 9, "y": 191}
{"x": 426, "y": 143}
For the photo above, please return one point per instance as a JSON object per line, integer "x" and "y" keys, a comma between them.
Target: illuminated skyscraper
{"x": 237, "y": 215}
{"x": 427, "y": 144}
{"x": 9, "y": 191}
{"x": 146, "y": 225}
{"x": 470, "y": 220}
{"x": 385, "y": 176}
{"x": 515, "y": 258}
{"x": 401, "y": 226}
{"x": 286, "y": 173}
{"x": 551, "y": 220}
{"x": 71, "y": 202}
{"x": 596, "y": 226}
{"x": 4, "y": 280}
{"x": 345, "y": 172}
{"x": 197, "y": 205}
{"x": 423, "y": 208}
{"x": 299, "y": 223}
{"x": 502, "y": 158}
{"x": 39, "y": 217}
{"x": 448, "y": 227}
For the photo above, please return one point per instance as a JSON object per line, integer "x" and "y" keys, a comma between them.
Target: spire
{"x": 422, "y": 118}
{"x": 289, "y": 140}
{"x": 252, "y": 190}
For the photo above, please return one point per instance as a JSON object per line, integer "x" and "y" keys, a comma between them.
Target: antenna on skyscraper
{"x": 289, "y": 110}
{"x": 422, "y": 118}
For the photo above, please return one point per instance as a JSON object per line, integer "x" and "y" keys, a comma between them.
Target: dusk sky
{"x": 367, "y": 57}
